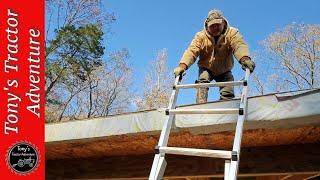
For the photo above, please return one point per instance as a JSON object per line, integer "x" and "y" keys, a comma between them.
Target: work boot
{"x": 202, "y": 95}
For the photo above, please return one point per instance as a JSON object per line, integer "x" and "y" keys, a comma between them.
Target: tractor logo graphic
{"x": 23, "y": 162}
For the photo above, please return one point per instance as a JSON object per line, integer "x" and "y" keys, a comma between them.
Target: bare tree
{"x": 157, "y": 85}
{"x": 61, "y": 13}
{"x": 106, "y": 92}
{"x": 258, "y": 84}
{"x": 294, "y": 54}
{"x": 71, "y": 89}
{"x": 70, "y": 16}
{"x": 113, "y": 92}
{"x": 79, "y": 83}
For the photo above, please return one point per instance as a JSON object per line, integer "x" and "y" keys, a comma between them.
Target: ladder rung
{"x": 199, "y": 85}
{"x": 196, "y": 152}
{"x": 204, "y": 111}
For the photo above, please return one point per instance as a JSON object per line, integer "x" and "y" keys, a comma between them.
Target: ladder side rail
{"x": 226, "y": 169}
{"x": 164, "y": 136}
{"x": 234, "y": 165}
{"x": 159, "y": 163}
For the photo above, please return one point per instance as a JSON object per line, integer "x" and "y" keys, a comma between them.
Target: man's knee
{"x": 202, "y": 81}
{"x": 226, "y": 93}
{"x": 204, "y": 76}
{"x": 227, "y": 76}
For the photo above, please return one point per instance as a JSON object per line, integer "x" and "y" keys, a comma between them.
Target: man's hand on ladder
{"x": 180, "y": 70}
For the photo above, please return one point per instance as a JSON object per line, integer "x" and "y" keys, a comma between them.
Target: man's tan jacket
{"x": 217, "y": 57}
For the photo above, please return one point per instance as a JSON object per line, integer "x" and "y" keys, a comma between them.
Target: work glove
{"x": 246, "y": 62}
{"x": 180, "y": 70}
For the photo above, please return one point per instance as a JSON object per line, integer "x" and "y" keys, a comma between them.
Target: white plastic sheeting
{"x": 282, "y": 110}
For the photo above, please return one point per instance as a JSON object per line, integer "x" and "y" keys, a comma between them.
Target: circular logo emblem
{"x": 23, "y": 158}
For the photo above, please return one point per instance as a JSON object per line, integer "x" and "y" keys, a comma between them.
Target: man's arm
{"x": 238, "y": 45}
{"x": 193, "y": 51}
{"x": 240, "y": 50}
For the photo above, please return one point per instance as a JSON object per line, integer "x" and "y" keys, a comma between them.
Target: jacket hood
{"x": 226, "y": 23}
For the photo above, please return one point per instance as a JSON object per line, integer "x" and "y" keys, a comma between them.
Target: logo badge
{"x": 23, "y": 158}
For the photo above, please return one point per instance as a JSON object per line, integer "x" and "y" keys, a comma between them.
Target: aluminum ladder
{"x": 232, "y": 157}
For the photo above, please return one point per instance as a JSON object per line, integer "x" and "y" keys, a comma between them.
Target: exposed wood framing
{"x": 276, "y": 160}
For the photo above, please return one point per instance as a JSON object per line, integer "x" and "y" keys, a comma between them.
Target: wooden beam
{"x": 312, "y": 176}
{"x": 257, "y": 176}
{"x": 261, "y": 160}
{"x": 286, "y": 177}
{"x": 299, "y": 177}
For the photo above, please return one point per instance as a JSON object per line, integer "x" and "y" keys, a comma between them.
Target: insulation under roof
{"x": 283, "y": 110}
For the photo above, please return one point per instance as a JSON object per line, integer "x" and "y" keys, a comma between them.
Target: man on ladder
{"x": 215, "y": 46}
